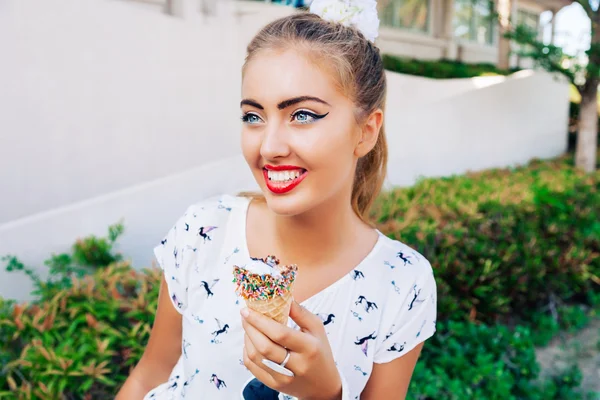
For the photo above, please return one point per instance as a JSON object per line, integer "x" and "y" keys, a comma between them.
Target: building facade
{"x": 463, "y": 30}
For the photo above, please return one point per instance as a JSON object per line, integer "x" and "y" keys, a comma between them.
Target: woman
{"x": 313, "y": 95}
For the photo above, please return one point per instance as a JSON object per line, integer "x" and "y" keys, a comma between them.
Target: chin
{"x": 288, "y": 205}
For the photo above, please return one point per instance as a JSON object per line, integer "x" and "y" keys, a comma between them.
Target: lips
{"x": 282, "y": 179}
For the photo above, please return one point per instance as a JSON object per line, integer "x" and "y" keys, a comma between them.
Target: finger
{"x": 265, "y": 346}
{"x": 305, "y": 319}
{"x": 258, "y": 371}
{"x": 278, "y": 379}
{"x": 278, "y": 333}
{"x": 255, "y": 356}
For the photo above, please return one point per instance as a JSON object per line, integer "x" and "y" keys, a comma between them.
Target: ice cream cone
{"x": 277, "y": 308}
{"x": 266, "y": 287}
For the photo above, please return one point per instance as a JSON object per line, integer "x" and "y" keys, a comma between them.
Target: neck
{"x": 319, "y": 235}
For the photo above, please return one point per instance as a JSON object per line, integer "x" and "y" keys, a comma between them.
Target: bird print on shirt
{"x": 356, "y": 315}
{"x": 404, "y": 258}
{"x": 356, "y": 274}
{"x": 364, "y": 342}
{"x": 235, "y": 251}
{"x": 369, "y": 305}
{"x": 391, "y": 332}
{"x": 397, "y": 347}
{"x": 176, "y": 301}
{"x": 203, "y": 232}
{"x": 212, "y": 336}
{"x": 185, "y": 346}
{"x": 208, "y": 287}
{"x": 421, "y": 328}
{"x": 359, "y": 369}
{"x": 173, "y": 385}
{"x": 175, "y": 253}
{"x": 222, "y": 330}
{"x": 188, "y": 382}
{"x": 415, "y": 298}
{"x": 222, "y": 206}
{"x": 219, "y": 383}
{"x": 326, "y": 318}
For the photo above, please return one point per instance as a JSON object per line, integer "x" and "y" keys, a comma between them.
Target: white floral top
{"x": 379, "y": 311}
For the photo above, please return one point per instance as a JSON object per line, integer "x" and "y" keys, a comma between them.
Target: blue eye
{"x": 251, "y": 118}
{"x": 306, "y": 117}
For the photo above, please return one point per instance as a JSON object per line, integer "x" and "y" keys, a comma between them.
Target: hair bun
{"x": 359, "y": 14}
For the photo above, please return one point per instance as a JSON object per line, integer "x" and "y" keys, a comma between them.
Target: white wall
{"x": 98, "y": 95}
{"x": 507, "y": 122}
{"x": 114, "y": 111}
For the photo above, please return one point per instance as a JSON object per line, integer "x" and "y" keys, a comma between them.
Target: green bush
{"x": 521, "y": 242}
{"x": 86, "y": 255}
{"x": 439, "y": 69}
{"x": 480, "y": 362}
{"x": 65, "y": 343}
{"x": 81, "y": 342}
{"x": 504, "y": 243}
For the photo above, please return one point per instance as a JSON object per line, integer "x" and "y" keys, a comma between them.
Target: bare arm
{"x": 161, "y": 354}
{"x": 393, "y": 377}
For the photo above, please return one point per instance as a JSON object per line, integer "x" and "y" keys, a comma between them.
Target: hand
{"x": 311, "y": 360}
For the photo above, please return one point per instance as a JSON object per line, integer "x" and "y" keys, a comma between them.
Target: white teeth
{"x": 283, "y": 176}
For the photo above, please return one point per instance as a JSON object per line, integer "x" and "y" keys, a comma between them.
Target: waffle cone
{"x": 277, "y": 308}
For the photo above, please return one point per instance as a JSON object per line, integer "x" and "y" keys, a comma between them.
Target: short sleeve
{"x": 170, "y": 256}
{"x": 413, "y": 322}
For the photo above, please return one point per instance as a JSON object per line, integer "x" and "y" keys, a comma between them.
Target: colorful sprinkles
{"x": 253, "y": 286}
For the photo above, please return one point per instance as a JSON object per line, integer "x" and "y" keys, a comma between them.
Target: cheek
{"x": 332, "y": 155}
{"x": 250, "y": 142}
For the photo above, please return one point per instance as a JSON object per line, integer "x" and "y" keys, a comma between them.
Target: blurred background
{"x": 118, "y": 114}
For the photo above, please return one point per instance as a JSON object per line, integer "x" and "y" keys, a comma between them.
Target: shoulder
{"x": 408, "y": 292}
{"x": 204, "y": 220}
{"x": 398, "y": 255}
{"x": 402, "y": 272}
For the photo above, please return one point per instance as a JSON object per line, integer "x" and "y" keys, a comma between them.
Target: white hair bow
{"x": 360, "y": 14}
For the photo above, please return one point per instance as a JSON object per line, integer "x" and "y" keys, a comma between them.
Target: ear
{"x": 369, "y": 133}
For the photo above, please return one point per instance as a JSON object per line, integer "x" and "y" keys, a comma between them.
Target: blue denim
{"x": 256, "y": 390}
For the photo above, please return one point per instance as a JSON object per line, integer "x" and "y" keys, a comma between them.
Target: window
{"x": 529, "y": 19}
{"x": 406, "y": 14}
{"x": 474, "y": 20}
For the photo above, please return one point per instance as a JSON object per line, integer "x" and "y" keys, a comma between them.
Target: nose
{"x": 275, "y": 143}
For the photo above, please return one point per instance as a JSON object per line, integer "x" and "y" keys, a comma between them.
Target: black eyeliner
{"x": 313, "y": 115}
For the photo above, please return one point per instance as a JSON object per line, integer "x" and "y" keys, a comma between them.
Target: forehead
{"x": 276, "y": 75}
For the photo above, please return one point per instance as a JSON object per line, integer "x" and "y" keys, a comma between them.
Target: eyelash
{"x": 315, "y": 117}
{"x": 246, "y": 117}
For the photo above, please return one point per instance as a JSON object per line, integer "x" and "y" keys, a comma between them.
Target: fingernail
{"x": 245, "y": 312}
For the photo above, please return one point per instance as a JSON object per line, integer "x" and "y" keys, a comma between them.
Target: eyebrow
{"x": 284, "y": 104}
{"x": 252, "y": 103}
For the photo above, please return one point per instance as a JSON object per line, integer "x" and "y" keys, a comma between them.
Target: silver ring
{"x": 280, "y": 368}
{"x": 287, "y": 358}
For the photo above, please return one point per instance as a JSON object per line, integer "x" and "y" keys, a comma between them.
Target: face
{"x": 300, "y": 135}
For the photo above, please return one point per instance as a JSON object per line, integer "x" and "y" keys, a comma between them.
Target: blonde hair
{"x": 356, "y": 65}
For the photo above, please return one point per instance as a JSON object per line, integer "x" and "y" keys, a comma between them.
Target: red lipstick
{"x": 279, "y": 183}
